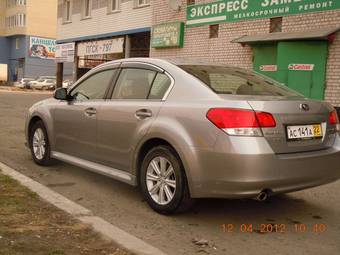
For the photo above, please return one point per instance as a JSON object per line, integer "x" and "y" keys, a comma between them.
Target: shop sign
{"x": 238, "y": 10}
{"x": 42, "y": 48}
{"x": 64, "y": 53}
{"x": 167, "y": 35}
{"x": 301, "y": 67}
{"x": 91, "y": 61}
{"x": 102, "y": 47}
{"x": 268, "y": 68}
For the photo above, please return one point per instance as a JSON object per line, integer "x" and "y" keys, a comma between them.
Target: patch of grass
{"x": 30, "y": 226}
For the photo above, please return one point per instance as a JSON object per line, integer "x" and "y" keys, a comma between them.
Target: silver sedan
{"x": 184, "y": 130}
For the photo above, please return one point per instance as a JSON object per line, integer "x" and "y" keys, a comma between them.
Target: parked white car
{"x": 67, "y": 83}
{"x": 23, "y": 83}
{"x": 39, "y": 79}
{"x": 44, "y": 84}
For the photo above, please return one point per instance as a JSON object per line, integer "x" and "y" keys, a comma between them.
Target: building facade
{"x": 104, "y": 30}
{"x": 294, "y": 41}
{"x": 27, "y": 37}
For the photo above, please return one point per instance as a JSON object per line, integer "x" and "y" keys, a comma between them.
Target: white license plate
{"x": 304, "y": 132}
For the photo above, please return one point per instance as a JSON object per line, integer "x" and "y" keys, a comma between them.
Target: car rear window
{"x": 236, "y": 81}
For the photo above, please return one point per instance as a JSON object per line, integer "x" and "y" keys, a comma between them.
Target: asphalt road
{"x": 123, "y": 205}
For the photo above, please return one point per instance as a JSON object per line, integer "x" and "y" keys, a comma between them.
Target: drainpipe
{"x": 127, "y": 46}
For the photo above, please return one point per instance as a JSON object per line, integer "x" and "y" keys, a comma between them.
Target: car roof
{"x": 164, "y": 63}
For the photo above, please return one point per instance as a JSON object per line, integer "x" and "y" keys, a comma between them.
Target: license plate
{"x": 304, "y": 132}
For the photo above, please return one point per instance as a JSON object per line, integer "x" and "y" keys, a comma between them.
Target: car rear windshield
{"x": 237, "y": 81}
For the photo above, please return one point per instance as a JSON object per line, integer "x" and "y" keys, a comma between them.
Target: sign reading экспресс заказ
{"x": 238, "y": 10}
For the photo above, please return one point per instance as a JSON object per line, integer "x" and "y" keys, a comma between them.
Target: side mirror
{"x": 61, "y": 94}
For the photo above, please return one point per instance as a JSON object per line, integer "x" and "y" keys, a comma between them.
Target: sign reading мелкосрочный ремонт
{"x": 238, "y": 10}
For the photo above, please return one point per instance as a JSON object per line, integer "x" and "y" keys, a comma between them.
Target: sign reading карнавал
{"x": 238, "y": 10}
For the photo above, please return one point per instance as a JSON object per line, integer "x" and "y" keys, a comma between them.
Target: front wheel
{"x": 39, "y": 144}
{"x": 163, "y": 181}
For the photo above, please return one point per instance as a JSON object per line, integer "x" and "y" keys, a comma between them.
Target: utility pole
{"x": 60, "y": 74}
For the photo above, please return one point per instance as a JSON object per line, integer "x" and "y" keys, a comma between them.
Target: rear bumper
{"x": 226, "y": 172}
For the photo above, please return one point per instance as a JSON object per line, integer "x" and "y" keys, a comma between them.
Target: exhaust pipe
{"x": 262, "y": 196}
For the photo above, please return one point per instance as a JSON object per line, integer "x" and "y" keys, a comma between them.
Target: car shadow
{"x": 292, "y": 208}
{"x": 279, "y": 209}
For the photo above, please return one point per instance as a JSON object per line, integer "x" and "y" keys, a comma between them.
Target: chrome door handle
{"x": 143, "y": 114}
{"x": 90, "y": 112}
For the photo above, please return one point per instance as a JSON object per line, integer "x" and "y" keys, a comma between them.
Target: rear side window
{"x": 160, "y": 86}
{"x": 235, "y": 81}
{"x": 134, "y": 84}
{"x": 93, "y": 87}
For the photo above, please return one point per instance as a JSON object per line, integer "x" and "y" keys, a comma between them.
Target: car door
{"x": 75, "y": 121}
{"x": 125, "y": 118}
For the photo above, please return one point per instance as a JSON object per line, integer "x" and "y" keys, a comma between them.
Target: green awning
{"x": 317, "y": 34}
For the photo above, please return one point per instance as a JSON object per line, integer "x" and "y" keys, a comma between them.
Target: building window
{"x": 17, "y": 20}
{"x": 275, "y": 25}
{"x": 67, "y": 11}
{"x": 114, "y": 5}
{"x": 190, "y": 2}
{"x": 213, "y": 31}
{"x": 143, "y": 3}
{"x": 86, "y": 8}
{"x": 17, "y": 43}
{"x": 21, "y": 2}
{"x": 10, "y": 3}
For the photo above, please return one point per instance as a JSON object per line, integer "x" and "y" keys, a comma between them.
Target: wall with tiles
{"x": 102, "y": 21}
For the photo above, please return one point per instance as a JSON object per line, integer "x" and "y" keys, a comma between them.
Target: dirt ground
{"x": 29, "y": 225}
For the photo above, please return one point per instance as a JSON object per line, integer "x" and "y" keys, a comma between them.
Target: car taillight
{"x": 265, "y": 119}
{"x": 241, "y": 122}
{"x": 333, "y": 118}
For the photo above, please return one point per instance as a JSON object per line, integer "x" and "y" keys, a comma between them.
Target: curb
{"x": 26, "y": 92}
{"x": 111, "y": 232}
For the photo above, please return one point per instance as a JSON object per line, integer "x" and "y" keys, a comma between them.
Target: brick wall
{"x": 198, "y": 45}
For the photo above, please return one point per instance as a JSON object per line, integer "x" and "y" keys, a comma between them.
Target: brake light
{"x": 241, "y": 122}
{"x": 333, "y": 118}
{"x": 265, "y": 119}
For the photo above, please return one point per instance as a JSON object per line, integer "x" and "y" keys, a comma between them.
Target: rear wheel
{"x": 163, "y": 181}
{"x": 39, "y": 144}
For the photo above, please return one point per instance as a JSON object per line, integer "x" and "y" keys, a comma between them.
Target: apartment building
{"x": 294, "y": 41}
{"x": 27, "y": 37}
{"x": 103, "y": 30}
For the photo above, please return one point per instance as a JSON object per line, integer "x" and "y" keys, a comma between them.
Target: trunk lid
{"x": 290, "y": 112}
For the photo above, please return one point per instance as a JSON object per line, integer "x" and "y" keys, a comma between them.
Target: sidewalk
{"x": 15, "y": 89}
{"x": 30, "y": 226}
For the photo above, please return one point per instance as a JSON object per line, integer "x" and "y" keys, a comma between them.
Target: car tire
{"x": 171, "y": 181}
{"x": 39, "y": 144}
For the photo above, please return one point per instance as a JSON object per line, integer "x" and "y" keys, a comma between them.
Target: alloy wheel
{"x": 161, "y": 180}
{"x": 39, "y": 144}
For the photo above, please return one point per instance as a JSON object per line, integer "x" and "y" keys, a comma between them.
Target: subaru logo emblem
{"x": 304, "y": 107}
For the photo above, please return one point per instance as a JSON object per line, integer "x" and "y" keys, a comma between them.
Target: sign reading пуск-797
{"x": 238, "y": 10}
